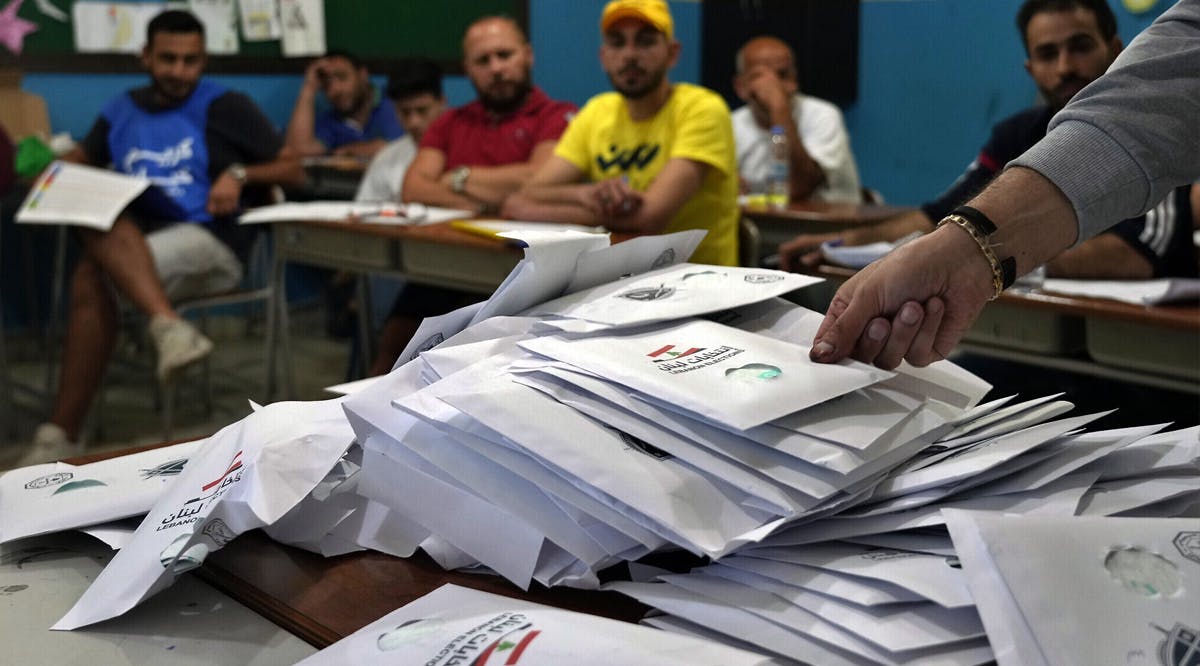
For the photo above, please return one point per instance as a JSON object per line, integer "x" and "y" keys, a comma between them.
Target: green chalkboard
{"x": 379, "y": 31}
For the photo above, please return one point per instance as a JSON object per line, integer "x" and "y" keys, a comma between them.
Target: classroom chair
{"x": 258, "y": 286}
{"x": 749, "y": 243}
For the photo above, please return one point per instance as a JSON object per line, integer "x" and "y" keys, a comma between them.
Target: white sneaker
{"x": 50, "y": 443}
{"x": 179, "y": 345}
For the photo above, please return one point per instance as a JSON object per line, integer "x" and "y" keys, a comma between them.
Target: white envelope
{"x": 738, "y": 623}
{"x": 457, "y": 625}
{"x": 248, "y": 475}
{"x": 980, "y": 458}
{"x": 633, "y": 257}
{"x": 775, "y": 609}
{"x": 736, "y": 378}
{"x": 1119, "y": 496}
{"x": 672, "y": 292}
{"x": 1177, "y": 450}
{"x": 435, "y": 330}
{"x": 934, "y": 577}
{"x": 56, "y": 496}
{"x": 543, "y": 274}
{"x": 854, "y": 589}
{"x": 894, "y": 628}
{"x": 1100, "y": 590}
{"x": 706, "y": 513}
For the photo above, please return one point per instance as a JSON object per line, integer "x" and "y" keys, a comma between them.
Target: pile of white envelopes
{"x": 667, "y": 406}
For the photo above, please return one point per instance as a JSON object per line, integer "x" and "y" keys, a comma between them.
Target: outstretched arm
{"x": 916, "y": 303}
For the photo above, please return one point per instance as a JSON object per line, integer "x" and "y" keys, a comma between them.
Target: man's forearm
{"x": 283, "y": 171}
{"x": 493, "y": 185}
{"x": 422, "y": 189}
{"x": 301, "y": 129}
{"x": 1105, "y": 257}
{"x": 1035, "y": 221}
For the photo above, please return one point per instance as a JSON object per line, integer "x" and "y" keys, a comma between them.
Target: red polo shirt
{"x": 469, "y": 135}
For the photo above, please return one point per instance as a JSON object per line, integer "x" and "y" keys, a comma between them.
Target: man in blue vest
{"x": 200, "y": 145}
{"x": 358, "y": 122}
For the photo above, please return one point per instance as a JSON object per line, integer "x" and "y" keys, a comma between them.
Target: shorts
{"x": 191, "y": 261}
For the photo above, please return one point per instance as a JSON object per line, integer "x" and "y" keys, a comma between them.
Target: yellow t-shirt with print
{"x": 604, "y": 142}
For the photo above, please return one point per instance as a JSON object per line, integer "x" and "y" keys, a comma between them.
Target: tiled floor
{"x": 127, "y": 414}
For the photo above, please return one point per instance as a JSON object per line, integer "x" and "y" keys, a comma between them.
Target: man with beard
{"x": 357, "y": 122}
{"x": 649, "y": 158}
{"x": 474, "y": 156}
{"x": 200, "y": 145}
{"x": 1068, "y": 44}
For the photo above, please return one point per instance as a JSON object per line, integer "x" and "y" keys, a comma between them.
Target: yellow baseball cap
{"x": 654, "y": 12}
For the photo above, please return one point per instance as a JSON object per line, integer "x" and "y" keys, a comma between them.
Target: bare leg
{"x": 397, "y": 331}
{"x": 90, "y": 337}
{"x": 123, "y": 255}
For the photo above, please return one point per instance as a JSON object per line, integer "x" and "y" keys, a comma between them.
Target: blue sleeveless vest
{"x": 169, "y": 148}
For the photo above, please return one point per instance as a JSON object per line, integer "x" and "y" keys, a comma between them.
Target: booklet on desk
{"x": 80, "y": 195}
{"x": 366, "y": 212}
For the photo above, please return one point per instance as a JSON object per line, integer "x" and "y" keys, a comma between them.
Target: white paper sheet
{"x": 457, "y": 625}
{"x": 56, "y": 496}
{"x": 111, "y": 27}
{"x": 260, "y": 20}
{"x": 733, "y": 377}
{"x": 1123, "y": 589}
{"x": 81, "y": 195}
{"x": 364, "y": 212}
{"x": 671, "y": 292}
{"x": 1138, "y": 292}
{"x": 220, "y": 25}
{"x": 246, "y": 476}
{"x": 303, "y": 27}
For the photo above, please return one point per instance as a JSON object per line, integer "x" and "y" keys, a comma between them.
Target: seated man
{"x": 1068, "y": 43}
{"x": 199, "y": 144}
{"x": 415, "y": 91}
{"x": 651, "y": 157}
{"x": 356, "y": 123}
{"x": 822, "y": 166}
{"x": 475, "y": 156}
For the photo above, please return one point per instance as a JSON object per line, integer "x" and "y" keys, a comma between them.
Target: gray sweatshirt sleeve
{"x": 1131, "y": 136}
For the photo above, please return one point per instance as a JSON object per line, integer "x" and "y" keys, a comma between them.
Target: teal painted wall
{"x": 934, "y": 75}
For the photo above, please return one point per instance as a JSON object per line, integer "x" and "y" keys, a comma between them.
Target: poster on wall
{"x": 111, "y": 27}
{"x": 260, "y": 20}
{"x": 220, "y": 25}
{"x": 303, "y": 27}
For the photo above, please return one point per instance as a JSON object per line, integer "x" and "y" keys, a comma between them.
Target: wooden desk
{"x": 1151, "y": 345}
{"x": 322, "y": 600}
{"x": 814, "y": 217}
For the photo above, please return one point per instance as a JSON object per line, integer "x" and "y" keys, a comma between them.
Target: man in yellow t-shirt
{"x": 651, "y": 157}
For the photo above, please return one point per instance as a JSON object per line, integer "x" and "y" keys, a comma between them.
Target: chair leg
{"x": 277, "y": 324}
{"x": 53, "y": 316}
{"x": 7, "y": 414}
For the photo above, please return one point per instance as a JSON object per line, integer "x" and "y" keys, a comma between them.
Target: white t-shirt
{"x": 820, "y": 126}
{"x": 385, "y": 174}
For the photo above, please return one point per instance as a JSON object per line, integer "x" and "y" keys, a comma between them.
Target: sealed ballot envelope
{"x": 1084, "y": 589}
{"x": 454, "y": 626}
{"x": 673, "y": 292}
{"x": 728, "y": 376}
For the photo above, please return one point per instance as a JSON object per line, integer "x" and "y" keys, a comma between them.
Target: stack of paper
{"x": 882, "y": 581}
{"x": 609, "y": 402}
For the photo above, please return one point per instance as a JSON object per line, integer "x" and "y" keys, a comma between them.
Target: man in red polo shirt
{"x": 474, "y": 156}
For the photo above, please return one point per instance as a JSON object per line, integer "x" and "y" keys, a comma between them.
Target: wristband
{"x": 1003, "y": 272}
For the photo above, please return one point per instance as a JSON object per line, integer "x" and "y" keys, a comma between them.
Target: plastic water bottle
{"x": 778, "y": 176}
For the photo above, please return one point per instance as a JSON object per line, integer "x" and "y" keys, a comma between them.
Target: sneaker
{"x": 179, "y": 345}
{"x": 50, "y": 443}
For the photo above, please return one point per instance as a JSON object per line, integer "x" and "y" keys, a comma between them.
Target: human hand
{"x": 769, "y": 91}
{"x": 314, "y": 75}
{"x": 803, "y": 252}
{"x": 224, "y": 197}
{"x": 614, "y": 198}
{"x": 915, "y": 304}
